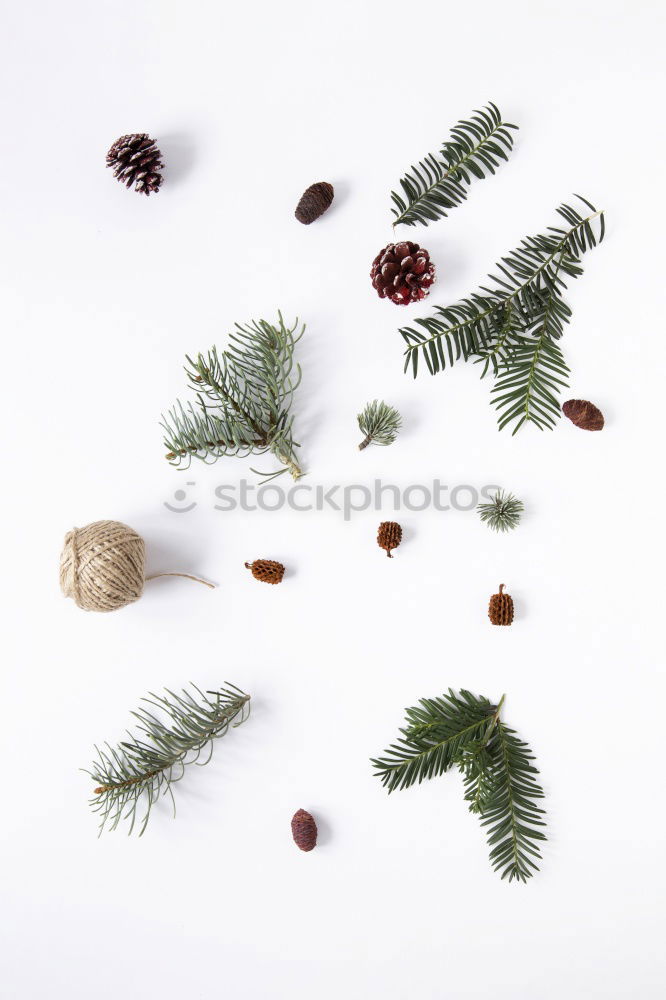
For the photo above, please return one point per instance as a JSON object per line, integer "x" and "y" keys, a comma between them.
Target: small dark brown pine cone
{"x": 314, "y": 202}
{"x": 389, "y": 536}
{"x": 583, "y": 414}
{"x": 403, "y": 273}
{"x": 304, "y": 830}
{"x": 135, "y": 159}
{"x": 266, "y": 570}
{"x": 500, "y": 609}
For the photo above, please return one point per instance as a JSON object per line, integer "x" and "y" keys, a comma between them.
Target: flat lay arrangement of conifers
{"x": 241, "y": 404}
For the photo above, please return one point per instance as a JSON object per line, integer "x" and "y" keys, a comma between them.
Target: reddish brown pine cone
{"x": 583, "y": 414}
{"x": 304, "y": 830}
{"x": 389, "y": 536}
{"x": 403, "y": 273}
{"x": 136, "y": 160}
{"x": 500, "y": 609}
{"x": 266, "y": 570}
{"x": 314, "y": 202}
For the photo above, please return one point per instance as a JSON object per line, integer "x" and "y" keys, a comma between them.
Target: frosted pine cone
{"x": 135, "y": 159}
{"x": 403, "y": 273}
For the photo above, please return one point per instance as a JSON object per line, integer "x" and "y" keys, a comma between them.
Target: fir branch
{"x": 528, "y": 382}
{"x": 503, "y": 512}
{"x": 438, "y": 184}
{"x": 380, "y": 423}
{"x": 243, "y": 399}
{"x": 498, "y": 774}
{"x": 476, "y": 769}
{"x": 143, "y": 768}
{"x": 512, "y": 327}
{"x": 437, "y": 731}
{"x": 513, "y": 821}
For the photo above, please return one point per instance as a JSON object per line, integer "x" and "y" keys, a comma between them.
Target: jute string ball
{"x": 102, "y": 566}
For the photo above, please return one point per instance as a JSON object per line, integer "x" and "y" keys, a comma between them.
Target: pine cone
{"x": 136, "y": 160}
{"x": 500, "y": 609}
{"x": 304, "y": 830}
{"x": 389, "y": 536}
{"x": 403, "y": 273}
{"x": 314, "y": 202}
{"x": 585, "y": 415}
{"x": 266, "y": 570}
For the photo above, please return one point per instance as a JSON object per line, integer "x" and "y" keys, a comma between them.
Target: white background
{"x": 103, "y": 294}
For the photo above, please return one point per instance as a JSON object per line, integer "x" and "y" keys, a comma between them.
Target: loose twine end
{"x": 186, "y": 576}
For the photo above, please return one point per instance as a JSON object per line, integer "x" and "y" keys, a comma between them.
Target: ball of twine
{"x": 102, "y": 566}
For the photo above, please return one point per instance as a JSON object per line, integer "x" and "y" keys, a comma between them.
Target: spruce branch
{"x": 467, "y": 732}
{"x": 513, "y": 326}
{"x": 380, "y": 423}
{"x": 243, "y": 399}
{"x": 503, "y": 512}
{"x": 439, "y": 183}
{"x": 143, "y": 767}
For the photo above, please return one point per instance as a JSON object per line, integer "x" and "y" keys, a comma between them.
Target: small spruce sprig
{"x": 439, "y": 182}
{"x": 380, "y": 423}
{"x": 513, "y": 326}
{"x": 144, "y": 767}
{"x": 465, "y": 731}
{"x": 503, "y": 512}
{"x": 243, "y": 400}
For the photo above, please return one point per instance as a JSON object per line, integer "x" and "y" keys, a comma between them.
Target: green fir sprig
{"x": 439, "y": 182}
{"x": 380, "y": 423}
{"x": 513, "y": 326}
{"x": 503, "y": 512}
{"x": 243, "y": 400}
{"x": 465, "y": 731}
{"x": 144, "y": 767}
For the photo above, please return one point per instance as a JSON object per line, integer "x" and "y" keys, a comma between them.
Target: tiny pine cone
{"x": 389, "y": 536}
{"x": 304, "y": 830}
{"x": 136, "y": 160}
{"x": 583, "y": 414}
{"x": 266, "y": 570}
{"x": 500, "y": 609}
{"x": 314, "y": 202}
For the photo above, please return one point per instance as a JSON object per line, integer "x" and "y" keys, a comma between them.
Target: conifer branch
{"x": 380, "y": 423}
{"x": 143, "y": 768}
{"x": 466, "y": 731}
{"x": 439, "y": 183}
{"x": 503, "y": 512}
{"x": 436, "y": 732}
{"x": 513, "y": 821}
{"x": 243, "y": 400}
{"x": 512, "y": 326}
